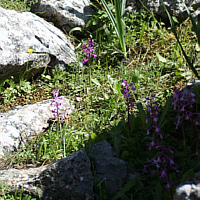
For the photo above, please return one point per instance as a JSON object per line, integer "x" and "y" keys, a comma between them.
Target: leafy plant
{"x": 196, "y": 29}
{"x": 155, "y": 65}
{"x": 118, "y": 21}
{"x": 11, "y": 90}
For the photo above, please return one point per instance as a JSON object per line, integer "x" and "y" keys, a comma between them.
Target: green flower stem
{"x": 89, "y": 73}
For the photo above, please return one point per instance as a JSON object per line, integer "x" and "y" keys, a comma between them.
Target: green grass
{"x": 18, "y": 5}
{"x": 155, "y": 64}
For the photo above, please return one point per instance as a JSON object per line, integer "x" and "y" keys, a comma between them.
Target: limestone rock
{"x": 65, "y": 14}
{"x": 67, "y": 178}
{"x": 23, "y": 31}
{"x": 189, "y": 190}
{"x": 21, "y": 122}
{"x": 107, "y": 166}
{"x": 71, "y": 177}
{"x": 175, "y": 7}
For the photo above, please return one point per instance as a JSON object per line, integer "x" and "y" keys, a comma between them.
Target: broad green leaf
{"x": 132, "y": 183}
{"x": 132, "y": 121}
{"x": 139, "y": 106}
{"x": 165, "y": 110}
{"x": 115, "y": 86}
{"x": 105, "y": 95}
{"x": 142, "y": 116}
{"x": 110, "y": 79}
{"x": 118, "y": 88}
{"x": 158, "y": 191}
{"x": 188, "y": 174}
{"x": 175, "y": 19}
{"x": 93, "y": 136}
{"x": 160, "y": 58}
{"x": 197, "y": 47}
{"x": 116, "y": 134}
{"x": 95, "y": 81}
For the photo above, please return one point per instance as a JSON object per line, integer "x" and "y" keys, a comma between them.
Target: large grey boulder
{"x": 65, "y": 14}
{"x": 175, "y": 7}
{"x": 23, "y": 31}
{"x": 110, "y": 169}
{"x": 21, "y": 122}
{"x": 68, "y": 178}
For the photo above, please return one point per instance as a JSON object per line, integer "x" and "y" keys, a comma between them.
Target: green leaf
{"x": 118, "y": 88}
{"x": 105, "y": 95}
{"x": 175, "y": 19}
{"x": 142, "y": 32}
{"x": 197, "y": 47}
{"x": 179, "y": 57}
{"x": 39, "y": 152}
{"x": 158, "y": 191}
{"x": 160, "y": 58}
{"x": 115, "y": 86}
{"x": 95, "y": 81}
{"x": 93, "y": 136}
{"x": 118, "y": 22}
{"x": 110, "y": 79}
{"x": 126, "y": 188}
{"x": 116, "y": 136}
{"x": 165, "y": 110}
{"x": 142, "y": 116}
{"x": 188, "y": 174}
{"x": 75, "y": 29}
{"x": 139, "y": 106}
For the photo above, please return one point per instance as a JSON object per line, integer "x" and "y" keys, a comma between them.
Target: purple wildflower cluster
{"x": 88, "y": 50}
{"x": 162, "y": 161}
{"x": 56, "y": 102}
{"x": 183, "y": 103}
{"x": 126, "y": 92}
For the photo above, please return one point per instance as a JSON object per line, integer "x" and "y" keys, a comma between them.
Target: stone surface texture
{"x": 65, "y": 14}
{"x": 189, "y": 190}
{"x": 107, "y": 166}
{"x": 23, "y": 31}
{"x": 68, "y": 178}
{"x": 21, "y": 122}
{"x": 175, "y": 7}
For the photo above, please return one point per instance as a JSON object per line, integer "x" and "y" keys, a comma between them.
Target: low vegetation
{"x": 134, "y": 102}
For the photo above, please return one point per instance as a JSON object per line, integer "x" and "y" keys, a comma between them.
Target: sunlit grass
{"x": 155, "y": 64}
{"x": 18, "y": 5}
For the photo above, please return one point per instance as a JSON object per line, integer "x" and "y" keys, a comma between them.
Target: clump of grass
{"x": 18, "y": 5}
